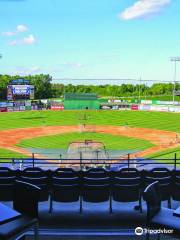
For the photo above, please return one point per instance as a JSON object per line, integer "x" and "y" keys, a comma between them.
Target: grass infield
{"x": 62, "y": 141}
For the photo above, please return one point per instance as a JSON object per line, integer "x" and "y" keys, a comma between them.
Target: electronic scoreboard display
{"x": 20, "y": 89}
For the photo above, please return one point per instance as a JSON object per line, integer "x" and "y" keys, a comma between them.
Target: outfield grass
{"x": 167, "y": 154}
{"x": 9, "y": 154}
{"x": 154, "y": 120}
{"x": 62, "y": 141}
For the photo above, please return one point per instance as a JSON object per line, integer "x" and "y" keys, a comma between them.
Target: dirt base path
{"x": 161, "y": 139}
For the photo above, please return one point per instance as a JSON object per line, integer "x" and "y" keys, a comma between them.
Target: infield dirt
{"x": 161, "y": 139}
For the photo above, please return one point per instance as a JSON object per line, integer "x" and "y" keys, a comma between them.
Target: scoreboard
{"x": 19, "y": 89}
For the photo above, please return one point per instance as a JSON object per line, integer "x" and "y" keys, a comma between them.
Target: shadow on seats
{"x": 163, "y": 176}
{"x": 7, "y": 180}
{"x": 127, "y": 186}
{"x": 38, "y": 177}
{"x": 65, "y": 187}
{"x": 96, "y": 187}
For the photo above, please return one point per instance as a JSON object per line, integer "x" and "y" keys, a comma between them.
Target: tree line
{"x": 45, "y": 88}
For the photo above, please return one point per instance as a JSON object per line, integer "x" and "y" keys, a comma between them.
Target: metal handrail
{"x": 32, "y": 161}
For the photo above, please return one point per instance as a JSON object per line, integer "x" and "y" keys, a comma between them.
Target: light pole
{"x": 139, "y": 89}
{"x": 174, "y": 59}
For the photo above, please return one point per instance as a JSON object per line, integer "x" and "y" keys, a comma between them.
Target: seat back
{"x": 126, "y": 185}
{"x": 65, "y": 173}
{"x": 96, "y": 173}
{"x": 163, "y": 176}
{"x": 26, "y": 198}
{"x": 126, "y": 189}
{"x": 7, "y": 180}
{"x": 38, "y": 177}
{"x": 175, "y": 190}
{"x": 128, "y": 172}
{"x": 153, "y": 199}
{"x": 65, "y": 189}
{"x": 96, "y": 189}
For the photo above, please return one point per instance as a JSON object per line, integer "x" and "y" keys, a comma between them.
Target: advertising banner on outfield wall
{"x": 34, "y": 107}
{"x": 57, "y": 108}
{"x": 145, "y": 107}
{"x": 10, "y": 104}
{"x": 177, "y": 109}
{"x": 134, "y": 107}
{"x": 3, "y": 109}
{"x": 16, "y": 108}
{"x": 27, "y": 108}
{"x": 172, "y": 109}
{"x": 22, "y": 108}
{"x": 3, "y": 104}
{"x": 27, "y": 103}
{"x": 10, "y": 109}
{"x": 159, "y": 108}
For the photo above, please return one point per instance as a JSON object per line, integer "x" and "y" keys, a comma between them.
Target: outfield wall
{"x": 159, "y": 108}
{"x": 144, "y": 105}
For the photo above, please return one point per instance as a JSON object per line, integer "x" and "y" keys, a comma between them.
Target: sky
{"x": 90, "y": 38}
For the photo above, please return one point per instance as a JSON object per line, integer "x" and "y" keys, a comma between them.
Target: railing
{"x": 21, "y": 163}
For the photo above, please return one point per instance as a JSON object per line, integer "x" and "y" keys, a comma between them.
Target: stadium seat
{"x": 127, "y": 186}
{"x": 7, "y": 180}
{"x": 175, "y": 190}
{"x": 158, "y": 217}
{"x": 65, "y": 172}
{"x": 163, "y": 176}
{"x": 38, "y": 177}
{"x": 65, "y": 187}
{"x": 25, "y": 199}
{"x": 96, "y": 190}
{"x": 96, "y": 173}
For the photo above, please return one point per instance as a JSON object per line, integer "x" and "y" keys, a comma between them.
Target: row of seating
{"x": 95, "y": 185}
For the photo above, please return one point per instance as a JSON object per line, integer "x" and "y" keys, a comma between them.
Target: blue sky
{"x": 90, "y": 39}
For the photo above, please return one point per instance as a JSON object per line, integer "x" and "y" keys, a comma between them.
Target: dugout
{"x": 81, "y": 101}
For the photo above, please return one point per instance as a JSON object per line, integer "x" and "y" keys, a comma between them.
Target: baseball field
{"x": 150, "y": 134}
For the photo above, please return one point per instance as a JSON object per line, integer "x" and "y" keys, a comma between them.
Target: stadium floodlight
{"x": 174, "y": 59}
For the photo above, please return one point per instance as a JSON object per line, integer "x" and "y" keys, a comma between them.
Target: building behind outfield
{"x": 81, "y": 101}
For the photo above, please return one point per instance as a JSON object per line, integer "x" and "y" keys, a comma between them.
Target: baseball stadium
{"x": 83, "y": 138}
{"x": 89, "y": 120}
{"x": 82, "y": 120}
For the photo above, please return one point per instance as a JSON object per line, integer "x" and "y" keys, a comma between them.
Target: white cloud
{"x": 21, "y": 28}
{"x": 29, "y": 40}
{"x": 8, "y": 33}
{"x": 143, "y": 8}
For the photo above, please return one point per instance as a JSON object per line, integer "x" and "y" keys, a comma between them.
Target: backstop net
{"x": 88, "y": 149}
